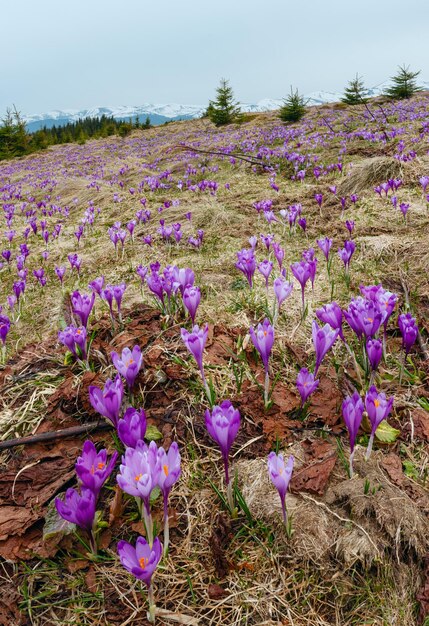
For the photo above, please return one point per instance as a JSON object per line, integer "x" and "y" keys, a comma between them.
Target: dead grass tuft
{"x": 368, "y": 173}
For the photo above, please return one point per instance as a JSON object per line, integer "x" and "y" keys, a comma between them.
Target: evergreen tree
{"x": 223, "y": 110}
{"x": 14, "y": 138}
{"x": 147, "y": 123}
{"x": 293, "y": 108}
{"x": 404, "y": 84}
{"x": 355, "y": 92}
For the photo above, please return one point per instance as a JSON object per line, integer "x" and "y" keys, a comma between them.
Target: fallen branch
{"x": 231, "y": 154}
{"x": 56, "y": 435}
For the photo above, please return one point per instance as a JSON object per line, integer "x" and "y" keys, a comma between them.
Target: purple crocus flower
{"x": 108, "y": 401}
{"x": 7, "y": 255}
{"x": 302, "y": 222}
{"x": 154, "y": 282}
{"x": 374, "y": 351}
{"x": 265, "y": 268}
{"x": 4, "y": 328}
{"x": 138, "y": 473}
{"x": 282, "y": 289}
{"x": 306, "y": 384}
{"x": 350, "y": 226}
{"x": 142, "y": 272}
{"x": 424, "y": 181}
{"x": 404, "y": 206}
{"x": 191, "y": 300}
{"x": 169, "y": 474}
{"x": 183, "y": 277}
{"x": 325, "y": 245}
{"x": 323, "y": 340}
{"x": 222, "y": 425}
{"x": 346, "y": 253}
{"x": 409, "y": 331}
{"x": 267, "y": 240}
{"x": 97, "y": 285}
{"x": 378, "y": 408}
{"x": 302, "y": 271}
{"x": 118, "y": 292}
{"x": 280, "y": 475}
{"x": 92, "y": 467}
{"x": 60, "y": 271}
{"x": 332, "y": 314}
{"x": 363, "y": 317}
{"x": 253, "y": 240}
{"x": 352, "y": 414}
{"x": 195, "y": 342}
{"x": 78, "y": 508}
{"x": 142, "y": 560}
{"x": 247, "y": 264}
{"x": 319, "y": 198}
{"x": 279, "y": 253}
{"x": 82, "y": 305}
{"x": 263, "y": 340}
{"x": 128, "y": 364}
{"x": 132, "y": 427}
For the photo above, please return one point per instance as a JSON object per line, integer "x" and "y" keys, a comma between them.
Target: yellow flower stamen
{"x": 377, "y": 403}
{"x": 143, "y": 562}
{"x": 137, "y": 478}
{"x": 165, "y": 468}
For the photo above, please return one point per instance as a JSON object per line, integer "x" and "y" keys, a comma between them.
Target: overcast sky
{"x": 85, "y": 53}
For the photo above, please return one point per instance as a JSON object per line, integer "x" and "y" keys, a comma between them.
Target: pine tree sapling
{"x": 223, "y": 110}
{"x": 293, "y": 108}
{"x": 355, "y": 92}
{"x": 404, "y": 84}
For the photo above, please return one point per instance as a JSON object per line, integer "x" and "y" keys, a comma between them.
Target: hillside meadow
{"x": 125, "y": 242}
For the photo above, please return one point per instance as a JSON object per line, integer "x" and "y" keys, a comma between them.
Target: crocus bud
{"x": 280, "y": 475}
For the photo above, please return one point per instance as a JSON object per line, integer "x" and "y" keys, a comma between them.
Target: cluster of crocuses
{"x": 110, "y": 294}
{"x": 377, "y": 407}
{"x": 79, "y": 506}
{"x": 323, "y": 339}
{"x": 247, "y": 264}
{"x": 144, "y": 468}
{"x": 75, "y": 337}
{"x": 172, "y": 288}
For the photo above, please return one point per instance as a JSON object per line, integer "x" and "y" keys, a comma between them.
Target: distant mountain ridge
{"x": 161, "y": 113}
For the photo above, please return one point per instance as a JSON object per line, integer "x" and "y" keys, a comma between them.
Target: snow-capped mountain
{"x": 160, "y": 113}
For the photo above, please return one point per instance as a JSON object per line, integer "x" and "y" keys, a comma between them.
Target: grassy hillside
{"x": 357, "y": 550}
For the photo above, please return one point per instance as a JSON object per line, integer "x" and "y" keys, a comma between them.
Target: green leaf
{"x": 155, "y": 493}
{"x": 152, "y": 433}
{"x": 55, "y": 525}
{"x": 68, "y": 358}
{"x": 410, "y": 470}
{"x": 386, "y": 433}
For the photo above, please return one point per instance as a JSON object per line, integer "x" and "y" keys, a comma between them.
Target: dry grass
{"x": 353, "y": 558}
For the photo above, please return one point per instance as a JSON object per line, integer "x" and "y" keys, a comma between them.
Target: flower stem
{"x": 266, "y": 389}
{"x": 148, "y": 522}
{"x": 351, "y": 464}
{"x": 151, "y": 601}
{"x": 369, "y": 448}
{"x": 166, "y": 526}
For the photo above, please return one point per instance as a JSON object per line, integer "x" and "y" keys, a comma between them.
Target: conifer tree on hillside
{"x": 223, "y": 110}
{"x": 293, "y": 108}
{"x": 404, "y": 84}
{"x": 355, "y": 92}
